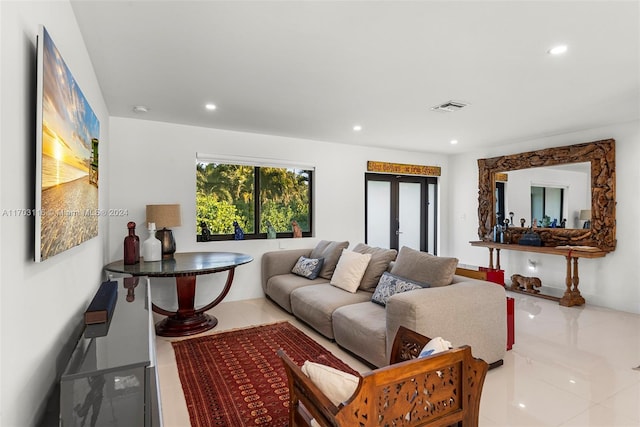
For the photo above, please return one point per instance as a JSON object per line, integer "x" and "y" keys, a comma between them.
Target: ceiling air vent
{"x": 450, "y": 106}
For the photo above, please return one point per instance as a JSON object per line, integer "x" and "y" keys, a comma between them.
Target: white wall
{"x": 156, "y": 164}
{"x": 41, "y": 304}
{"x": 612, "y": 281}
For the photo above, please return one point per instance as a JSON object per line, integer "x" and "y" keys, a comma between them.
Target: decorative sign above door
{"x": 402, "y": 169}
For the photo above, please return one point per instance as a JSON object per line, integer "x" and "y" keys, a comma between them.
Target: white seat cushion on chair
{"x": 338, "y": 386}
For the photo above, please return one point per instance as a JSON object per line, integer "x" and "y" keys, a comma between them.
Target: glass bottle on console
{"x": 131, "y": 245}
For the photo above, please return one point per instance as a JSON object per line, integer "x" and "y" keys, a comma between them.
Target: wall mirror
{"x": 584, "y": 172}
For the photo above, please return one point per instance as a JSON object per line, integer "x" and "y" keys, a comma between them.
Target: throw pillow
{"x": 380, "y": 259}
{"x": 308, "y": 267}
{"x": 338, "y": 386}
{"x": 390, "y": 285}
{"x": 436, "y": 345}
{"x": 349, "y": 271}
{"x": 424, "y": 267}
{"x": 330, "y": 251}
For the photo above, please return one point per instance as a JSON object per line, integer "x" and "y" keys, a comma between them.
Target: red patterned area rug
{"x": 236, "y": 379}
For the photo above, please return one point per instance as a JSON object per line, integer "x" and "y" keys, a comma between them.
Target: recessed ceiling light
{"x": 357, "y": 128}
{"x": 558, "y": 50}
{"x": 453, "y": 141}
{"x": 210, "y": 107}
{"x": 140, "y": 109}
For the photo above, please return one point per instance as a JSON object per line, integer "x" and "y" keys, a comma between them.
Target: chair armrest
{"x": 275, "y": 263}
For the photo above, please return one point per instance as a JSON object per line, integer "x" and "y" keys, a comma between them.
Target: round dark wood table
{"x": 187, "y": 320}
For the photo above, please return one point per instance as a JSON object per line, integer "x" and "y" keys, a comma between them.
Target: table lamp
{"x": 585, "y": 215}
{"x": 165, "y": 216}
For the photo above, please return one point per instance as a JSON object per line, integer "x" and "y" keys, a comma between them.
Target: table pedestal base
{"x": 175, "y": 326}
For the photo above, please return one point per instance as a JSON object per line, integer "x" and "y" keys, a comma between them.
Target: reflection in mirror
{"x": 558, "y": 192}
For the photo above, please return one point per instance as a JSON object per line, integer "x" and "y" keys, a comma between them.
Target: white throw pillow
{"x": 436, "y": 345}
{"x": 338, "y": 386}
{"x": 350, "y": 270}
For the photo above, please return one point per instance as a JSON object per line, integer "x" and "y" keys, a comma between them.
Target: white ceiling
{"x": 313, "y": 69}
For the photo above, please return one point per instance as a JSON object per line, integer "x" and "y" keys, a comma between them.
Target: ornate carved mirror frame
{"x": 601, "y": 155}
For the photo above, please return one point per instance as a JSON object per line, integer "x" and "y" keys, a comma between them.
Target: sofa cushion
{"x": 314, "y": 305}
{"x": 361, "y": 329}
{"x": 390, "y": 285}
{"x": 279, "y": 287}
{"x": 425, "y": 268}
{"x": 349, "y": 270}
{"x": 380, "y": 260}
{"x": 308, "y": 267}
{"x": 331, "y": 252}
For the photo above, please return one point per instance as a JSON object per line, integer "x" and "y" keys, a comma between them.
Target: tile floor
{"x": 569, "y": 366}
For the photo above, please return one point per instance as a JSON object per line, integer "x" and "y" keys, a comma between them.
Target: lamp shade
{"x": 585, "y": 215}
{"x": 164, "y": 216}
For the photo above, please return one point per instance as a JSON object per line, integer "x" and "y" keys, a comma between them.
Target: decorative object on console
{"x": 522, "y": 221}
{"x": 151, "y": 248}
{"x": 165, "y": 216}
{"x": 530, "y": 238}
{"x": 238, "y": 232}
{"x": 527, "y": 284}
{"x": 131, "y": 245}
{"x": 585, "y": 215}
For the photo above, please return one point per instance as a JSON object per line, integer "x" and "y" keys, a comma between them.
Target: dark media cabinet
{"x": 111, "y": 377}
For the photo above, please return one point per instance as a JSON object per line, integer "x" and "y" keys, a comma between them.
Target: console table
{"x": 111, "y": 377}
{"x": 571, "y": 295}
{"x": 187, "y": 320}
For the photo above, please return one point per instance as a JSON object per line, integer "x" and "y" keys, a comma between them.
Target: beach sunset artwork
{"x": 67, "y": 158}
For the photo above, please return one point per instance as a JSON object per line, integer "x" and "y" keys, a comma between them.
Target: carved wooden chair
{"x": 439, "y": 390}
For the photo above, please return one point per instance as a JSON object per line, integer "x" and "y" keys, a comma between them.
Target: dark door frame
{"x": 394, "y": 225}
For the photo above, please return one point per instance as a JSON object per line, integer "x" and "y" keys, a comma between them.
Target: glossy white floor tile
{"x": 570, "y": 366}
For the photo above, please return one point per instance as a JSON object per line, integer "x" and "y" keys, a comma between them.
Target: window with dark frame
{"x": 264, "y": 201}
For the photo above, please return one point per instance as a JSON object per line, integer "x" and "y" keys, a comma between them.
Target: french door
{"x": 401, "y": 211}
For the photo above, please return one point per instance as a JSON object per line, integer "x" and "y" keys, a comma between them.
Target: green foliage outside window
{"x": 226, "y": 193}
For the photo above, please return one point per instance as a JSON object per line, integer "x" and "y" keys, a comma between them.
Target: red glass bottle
{"x": 131, "y": 245}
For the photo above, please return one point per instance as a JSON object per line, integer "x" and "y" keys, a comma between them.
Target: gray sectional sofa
{"x": 462, "y": 311}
